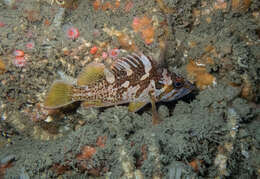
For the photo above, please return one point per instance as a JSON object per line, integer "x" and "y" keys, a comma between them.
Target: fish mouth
{"x": 186, "y": 89}
{"x": 177, "y": 94}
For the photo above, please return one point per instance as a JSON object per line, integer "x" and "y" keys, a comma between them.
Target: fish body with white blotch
{"x": 135, "y": 79}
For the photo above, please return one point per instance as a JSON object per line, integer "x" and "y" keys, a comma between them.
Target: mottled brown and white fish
{"x": 135, "y": 79}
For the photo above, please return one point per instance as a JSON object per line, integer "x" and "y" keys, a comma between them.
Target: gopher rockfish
{"x": 135, "y": 79}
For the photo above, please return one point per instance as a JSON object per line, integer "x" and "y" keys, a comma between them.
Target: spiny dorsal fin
{"x": 132, "y": 64}
{"x": 93, "y": 72}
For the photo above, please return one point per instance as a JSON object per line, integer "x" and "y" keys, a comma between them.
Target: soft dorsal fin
{"x": 59, "y": 95}
{"x": 93, "y": 72}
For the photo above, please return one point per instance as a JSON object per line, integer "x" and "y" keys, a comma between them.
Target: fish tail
{"x": 59, "y": 95}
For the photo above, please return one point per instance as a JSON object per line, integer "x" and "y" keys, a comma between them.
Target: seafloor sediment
{"x": 214, "y": 132}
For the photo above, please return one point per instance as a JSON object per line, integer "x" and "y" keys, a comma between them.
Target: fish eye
{"x": 60, "y": 2}
{"x": 177, "y": 84}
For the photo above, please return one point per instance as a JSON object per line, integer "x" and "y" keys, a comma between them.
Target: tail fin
{"x": 60, "y": 94}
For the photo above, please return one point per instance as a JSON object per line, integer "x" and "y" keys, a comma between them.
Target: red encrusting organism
{"x": 19, "y": 59}
{"x": 145, "y": 26}
{"x": 104, "y": 55}
{"x": 30, "y": 45}
{"x": 113, "y": 53}
{"x": 93, "y": 50}
{"x": 18, "y": 53}
{"x": 2, "y": 24}
{"x": 72, "y": 33}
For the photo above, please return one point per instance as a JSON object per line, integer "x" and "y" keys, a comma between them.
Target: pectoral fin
{"x": 93, "y": 72}
{"x": 135, "y": 106}
{"x": 156, "y": 117}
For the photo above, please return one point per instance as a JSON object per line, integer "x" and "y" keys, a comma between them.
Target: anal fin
{"x": 135, "y": 106}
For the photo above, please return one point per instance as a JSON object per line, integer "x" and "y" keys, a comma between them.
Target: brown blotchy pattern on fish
{"x": 138, "y": 71}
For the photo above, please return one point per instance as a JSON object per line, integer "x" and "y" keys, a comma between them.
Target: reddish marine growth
{"x": 113, "y": 53}
{"x": 129, "y": 5}
{"x": 145, "y": 27}
{"x": 72, "y": 33}
{"x": 87, "y": 153}
{"x": 93, "y": 50}
{"x": 30, "y": 45}
{"x": 104, "y": 55}
{"x": 18, "y": 53}
{"x": 2, "y": 24}
{"x": 19, "y": 59}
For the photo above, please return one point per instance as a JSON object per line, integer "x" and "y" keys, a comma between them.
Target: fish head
{"x": 173, "y": 86}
